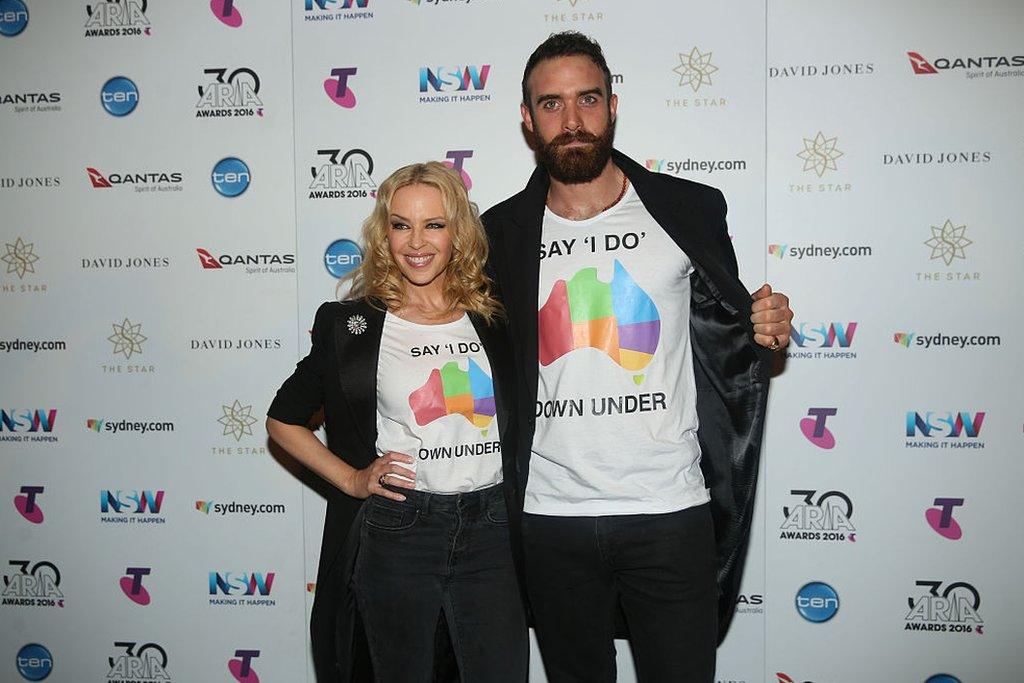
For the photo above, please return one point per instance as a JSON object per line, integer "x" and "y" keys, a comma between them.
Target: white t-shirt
{"x": 435, "y": 402}
{"x": 616, "y": 403}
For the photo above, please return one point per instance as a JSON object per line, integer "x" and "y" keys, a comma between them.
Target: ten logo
{"x": 241, "y": 668}
{"x": 940, "y": 518}
{"x": 230, "y": 177}
{"x": 337, "y": 88}
{"x": 26, "y": 504}
{"x": 131, "y": 584}
{"x": 817, "y": 602}
{"x": 226, "y": 13}
{"x": 814, "y": 429}
{"x": 342, "y": 256}
{"x": 119, "y": 96}
{"x": 13, "y": 17}
{"x": 34, "y": 662}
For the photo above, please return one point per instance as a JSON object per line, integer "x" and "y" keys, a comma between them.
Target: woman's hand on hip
{"x": 370, "y": 480}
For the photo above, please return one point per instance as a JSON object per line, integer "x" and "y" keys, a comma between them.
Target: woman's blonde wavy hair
{"x": 465, "y": 284}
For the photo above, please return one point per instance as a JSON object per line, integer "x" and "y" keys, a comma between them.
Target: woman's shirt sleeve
{"x": 302, "y": 394}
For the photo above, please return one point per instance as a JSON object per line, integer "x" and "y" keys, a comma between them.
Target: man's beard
{"x": 573, "y": 165}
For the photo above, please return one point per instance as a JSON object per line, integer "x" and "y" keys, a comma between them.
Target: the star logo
{"x": 695, "y": 69}
{"x": 237, "y": 420}
{"x": 19, "y": 258}
{"x": 127, "y": 338}
{"x": 572, "y": 3}
{"x": 820, "y": 154}
{"x": 948, "y": 242}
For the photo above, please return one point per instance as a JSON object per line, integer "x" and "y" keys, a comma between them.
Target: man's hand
{"x": 771, "y": 316}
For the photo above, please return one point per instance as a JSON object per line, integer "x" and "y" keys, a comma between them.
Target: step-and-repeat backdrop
{"x": 183, "y": 183}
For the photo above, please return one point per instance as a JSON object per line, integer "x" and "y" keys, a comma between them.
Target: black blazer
{"x": 731, "y": 371}
{"x": 340, "y": 375}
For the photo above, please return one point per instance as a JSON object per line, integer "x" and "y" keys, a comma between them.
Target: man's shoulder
{"x": 501, "y": 210}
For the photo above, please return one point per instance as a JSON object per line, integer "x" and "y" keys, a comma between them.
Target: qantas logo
{"x": 920, "y": 64}
{"x": 99, "y": 180}
{"x": 207, "y": 259}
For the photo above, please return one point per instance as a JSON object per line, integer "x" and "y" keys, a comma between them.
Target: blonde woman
{"x": 415, "y": 379}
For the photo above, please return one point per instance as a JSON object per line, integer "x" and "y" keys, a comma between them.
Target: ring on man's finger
{"x": 380, "y": 480}
{"x": 774, "y": 346}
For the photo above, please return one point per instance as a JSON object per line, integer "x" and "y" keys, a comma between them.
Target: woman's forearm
{"x": 303, "y": 445}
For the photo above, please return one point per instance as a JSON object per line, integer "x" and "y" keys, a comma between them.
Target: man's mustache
{"x": 578, "y": 136}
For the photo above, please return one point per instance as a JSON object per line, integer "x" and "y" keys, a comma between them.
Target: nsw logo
{"x": 817, "y": 602}
{"x": 940, "y": 518}
{"x": 34, "y": 662}
{"x": 944, "y": 429}
{"x": 119, "y": 96}
{"x": 225, "y": 12}
{"x": 241, "y": 588}
{"x": 341, "y": 257}
{"x": 131, "y": 584}
{"x": 241, "y": 668}
{"x": 337, "y": 88}
{"x": 13, "y": 17}
{"x": 230, "y": 177}
{"x": 26, "y": 504}
{"x": 814, "y": 430}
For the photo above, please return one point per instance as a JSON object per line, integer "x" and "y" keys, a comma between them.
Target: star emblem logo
{"x": 695, "y": 69}
{"x": 127, "y": 338}
{"x": 572, "y": 3}
{"x": 820, "y": 154}
{"x": 19, "y": 258}
{"x": 948, "y": 242}
{"x": 237, "y": 420}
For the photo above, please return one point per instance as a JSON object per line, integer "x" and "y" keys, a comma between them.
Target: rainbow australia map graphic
{"x": 451, "y": 391}
{"x": 617, "y": 318}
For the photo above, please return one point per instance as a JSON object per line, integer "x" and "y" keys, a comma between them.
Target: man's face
{"x": 571, "y": 117}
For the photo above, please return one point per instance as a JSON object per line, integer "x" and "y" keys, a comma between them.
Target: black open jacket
{"x": 730, "y": 369}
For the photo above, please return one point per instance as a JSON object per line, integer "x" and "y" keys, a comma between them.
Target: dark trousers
{"x": 659, "y": 570}
{"x": 438, "y": 554}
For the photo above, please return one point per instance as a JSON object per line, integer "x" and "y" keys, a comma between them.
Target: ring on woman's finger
{"x": 380, "y": 480}
{"x": 774, "y": 346}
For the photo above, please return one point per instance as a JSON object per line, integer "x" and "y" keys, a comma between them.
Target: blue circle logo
{"x": 34, "y": 662}
{"x": 230, "y": 177}
{"x": 342, "y": 256}
{"x": 13, "y": 17}
{"x": 817, "y": 602}
{"x": 119, "y": 96}
{"x": 942, "y": 678}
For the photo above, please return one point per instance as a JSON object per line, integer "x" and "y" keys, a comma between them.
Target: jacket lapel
{"x": 496, "y": 349}
{"x": 357, "y": 334}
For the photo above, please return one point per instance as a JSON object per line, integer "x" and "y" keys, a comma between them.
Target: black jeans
{"x": 659, "y": 570}
{"x": 435, "y": 553}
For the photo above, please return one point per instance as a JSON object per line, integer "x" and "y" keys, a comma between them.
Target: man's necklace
{"x": 622, "y": 193}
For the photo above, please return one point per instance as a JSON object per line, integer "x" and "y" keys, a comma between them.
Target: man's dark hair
{"x": 567, "y": 44}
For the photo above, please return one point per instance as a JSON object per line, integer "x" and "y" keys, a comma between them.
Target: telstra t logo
{"x": 940, "y": 518}
{"x": 241, "y": 668}
{"x": 26, "y": 504}
{"x": 814, "y": 429}
{"x": 131, "y": 584}
{"x": 337, "y": 88}
{"x": 455, "y": 159}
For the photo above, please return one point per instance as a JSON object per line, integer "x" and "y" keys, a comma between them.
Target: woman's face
{"x": 418, "y": 236}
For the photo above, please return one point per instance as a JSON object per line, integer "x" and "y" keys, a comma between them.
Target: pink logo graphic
{"x": 941, "y": 518}
{"x": 457, "y": 159}
{"x": 26, "y": 504}
{"x": 337, "y": 88}
{"x": 131, "y": 584}
{"x": 241, "y": 668}
{"x": 813, "y": 427}
{"x": 225, "y": 11}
